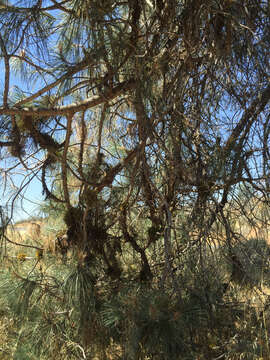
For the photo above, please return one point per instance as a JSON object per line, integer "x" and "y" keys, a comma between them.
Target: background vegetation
{"x": 147, "y": 124}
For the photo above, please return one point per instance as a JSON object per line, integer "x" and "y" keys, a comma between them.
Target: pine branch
{"x": 64, "y": 110}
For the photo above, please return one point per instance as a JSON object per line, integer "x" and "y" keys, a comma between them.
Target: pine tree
{"x": 141, "y": 120}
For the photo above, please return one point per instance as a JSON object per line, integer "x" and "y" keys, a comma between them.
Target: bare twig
{"x": 7, "y": 72}
{"x": 64, "y": 160}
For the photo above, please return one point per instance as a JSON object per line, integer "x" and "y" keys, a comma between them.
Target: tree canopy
{"x": 147, "y": 123}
